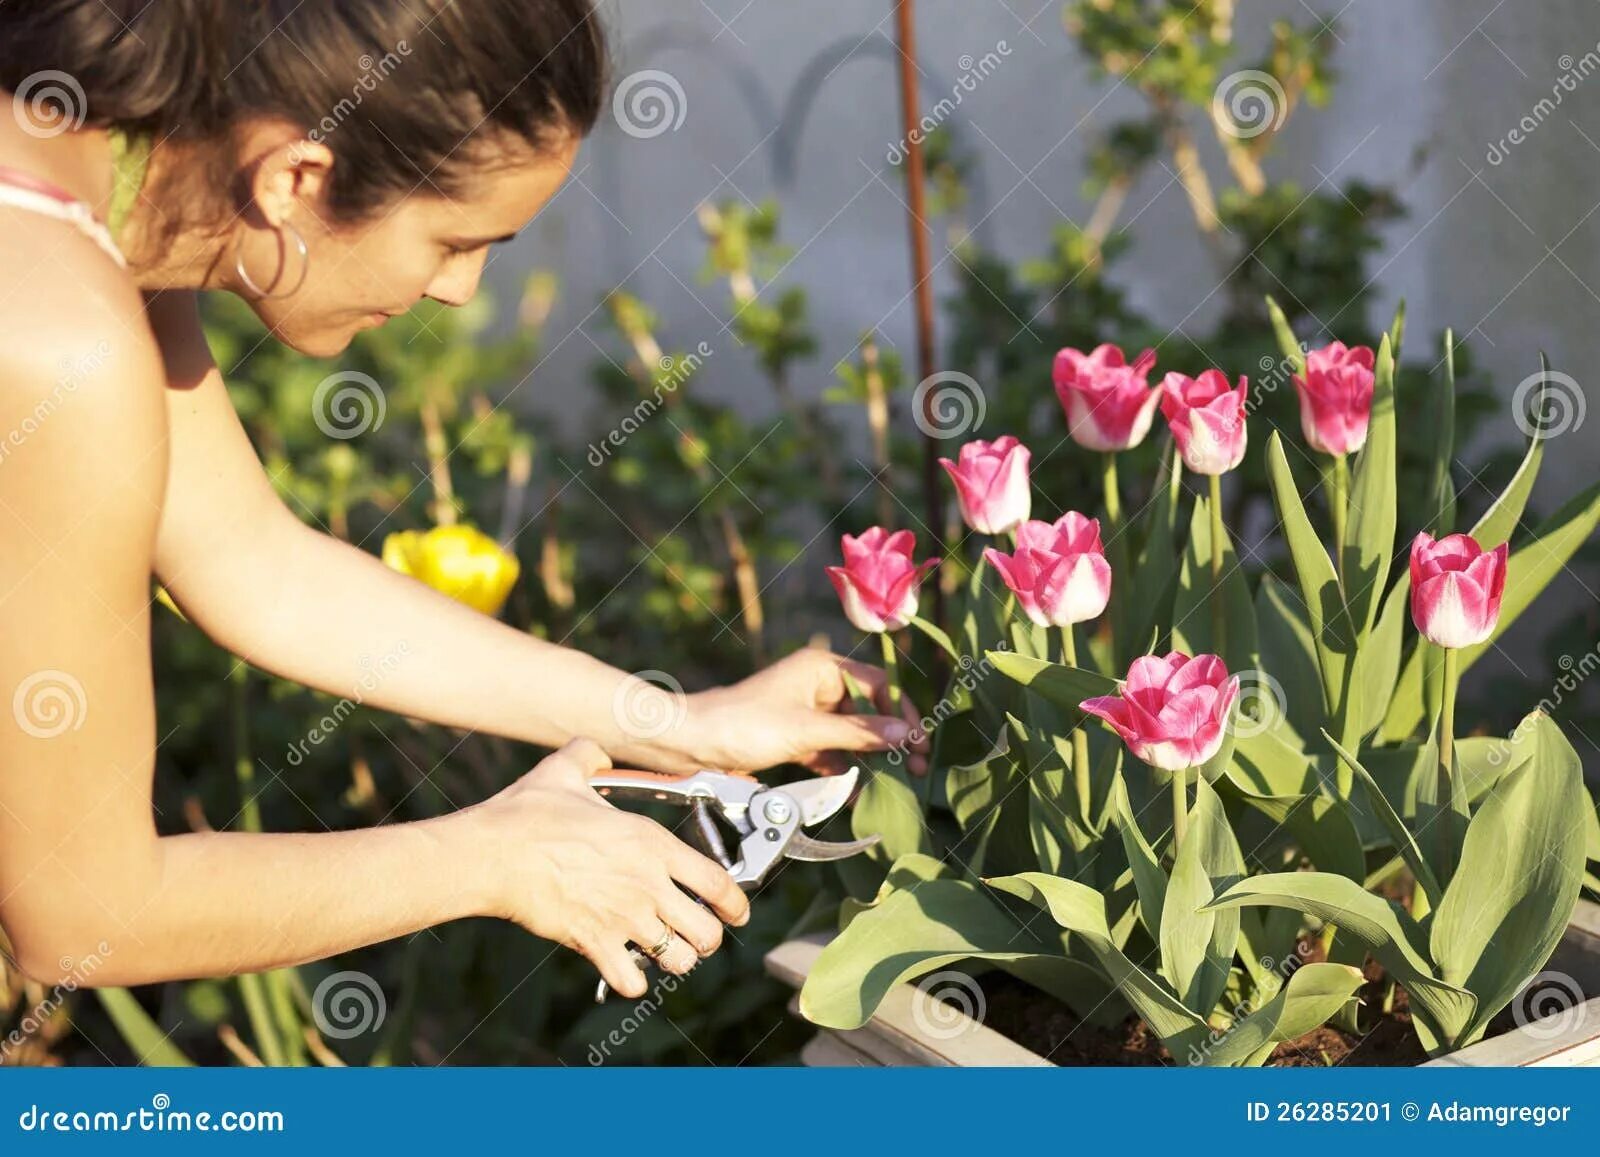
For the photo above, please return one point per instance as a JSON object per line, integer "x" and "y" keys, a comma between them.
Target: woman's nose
{"x": 458, "y": 280}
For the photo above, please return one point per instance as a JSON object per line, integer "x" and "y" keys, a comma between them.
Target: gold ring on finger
{"x": 660, "y": 946}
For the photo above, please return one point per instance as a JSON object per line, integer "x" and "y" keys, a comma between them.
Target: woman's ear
{"x": 287, "y": 171}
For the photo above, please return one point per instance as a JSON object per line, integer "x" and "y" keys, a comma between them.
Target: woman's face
{"x": 425, "y": 245}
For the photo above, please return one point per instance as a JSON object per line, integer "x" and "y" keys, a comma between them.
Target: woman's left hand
{"x": 799, "y": 711}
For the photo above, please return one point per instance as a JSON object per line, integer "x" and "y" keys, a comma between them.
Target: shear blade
{"x": 803, "y": 847}
{"x": 822, "y": 796}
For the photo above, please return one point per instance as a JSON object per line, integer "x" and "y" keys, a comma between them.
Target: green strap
{"x": 130, "y": 157}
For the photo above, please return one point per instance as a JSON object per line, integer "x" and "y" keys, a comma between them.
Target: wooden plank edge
{"x": 903, "y": 1022}
{"x": 827, "y": 1051}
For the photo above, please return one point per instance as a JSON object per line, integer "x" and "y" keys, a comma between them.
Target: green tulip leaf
{"x": 1319, "y": 584}
{"x": 1441, "y": 416}
{"x": 1289, "y": 656}
{"x": 144, "y": 1036}
{"x": 1503, "y": 517}
{"x": 938, "y": 635}
{"x": 1404, "y": 842}
{"x": 906, "y": 872}
{"x": 1193, "y": 613}
{"x": 1373, "y": 499}
{"x": 1081, "y": 911}
{"x": 1197, "y": 944}
{"x": 1377, "y": 667}
{"x": 911, "y": 933}
{"x": 1054, "y": 682}
{"x": 1381, "y": 926}
{"x": 1288, "y": 344}
{"x": 1313, "y": 993}
{"x": 1520, "y": 872}
{"x": 1149, "y": 878}
{"x": 1149, "y": 595}
{"x": 888, "y": 807}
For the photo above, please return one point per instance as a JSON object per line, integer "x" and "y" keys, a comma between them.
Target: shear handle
{"x": 728, "y": 792}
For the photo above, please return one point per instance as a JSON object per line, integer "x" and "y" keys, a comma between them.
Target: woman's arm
{"x": 81, "y": 861}
{"x": 326, "y": 614}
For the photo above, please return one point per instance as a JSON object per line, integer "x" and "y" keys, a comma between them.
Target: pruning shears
{"x": 767, "y": 819}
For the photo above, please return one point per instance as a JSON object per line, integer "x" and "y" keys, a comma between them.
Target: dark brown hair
{"x": 402, "y": 91}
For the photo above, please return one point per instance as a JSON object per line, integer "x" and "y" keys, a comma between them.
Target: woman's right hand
{"x": 578, "y": 870}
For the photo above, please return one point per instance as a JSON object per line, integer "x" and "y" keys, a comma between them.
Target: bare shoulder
{"x": 82, "y": 414}
{"x": 78, "y": 358}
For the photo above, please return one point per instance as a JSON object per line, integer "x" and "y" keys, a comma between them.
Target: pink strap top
{"x": 20, "y": 190}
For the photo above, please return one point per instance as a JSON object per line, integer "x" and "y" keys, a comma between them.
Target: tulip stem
{"x": 891, "y": 666}
{"x": 1180, "y": 809}
{"x": 1080, "y": 739}
{"x": 1113, "y": 490}
{"x": 1117, "y": 545}
{"x": 1219, "y": 621}
{"x": 1341, "y": 511}
{"x": 1447, "y": 803}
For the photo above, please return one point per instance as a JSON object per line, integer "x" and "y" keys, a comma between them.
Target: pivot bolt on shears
{"x": 767, "y": 819}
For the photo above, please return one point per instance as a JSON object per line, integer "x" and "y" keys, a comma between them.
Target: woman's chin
{"x": 322, "y": 343}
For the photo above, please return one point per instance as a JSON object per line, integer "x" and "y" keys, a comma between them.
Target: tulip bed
{"x": 1227, "y": 803}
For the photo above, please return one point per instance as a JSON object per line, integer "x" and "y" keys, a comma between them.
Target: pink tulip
{"x": 992, "y": 484}
{"x": 1172, "y": 710}
{"x": 1207, "y": 417}
{"x": 878, "y": 582}
{"x": 1108, "y": 402}
{"x": 1059, "y": 572}
{"x": 1456, "y": 588}
{"x": 1336, "y": 398}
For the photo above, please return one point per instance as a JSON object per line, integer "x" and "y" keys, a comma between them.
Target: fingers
{"x": 573, "y": 763}
{"x": 709, "y": 880}
{"x": 874, "y": 680}
{"x": 617, "y": 967}
{"x": 697, "y": 926}
{"x": 914, "y": 739}
{"x": 648, "y": 930}
{"x": 870, "y": 733}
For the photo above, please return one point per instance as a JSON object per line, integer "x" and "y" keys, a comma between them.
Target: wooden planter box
{"x": 896, "y": 1036}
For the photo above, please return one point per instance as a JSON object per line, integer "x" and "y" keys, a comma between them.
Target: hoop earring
{"x": 250, "y": 282}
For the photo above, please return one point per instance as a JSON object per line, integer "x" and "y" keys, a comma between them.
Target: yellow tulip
{"x": 459, "y": 561}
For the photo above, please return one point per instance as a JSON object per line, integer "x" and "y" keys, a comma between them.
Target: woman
{"x": 168, "y": 147}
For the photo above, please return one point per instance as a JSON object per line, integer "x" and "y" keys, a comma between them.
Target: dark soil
{"x": 1044, "y": 1025}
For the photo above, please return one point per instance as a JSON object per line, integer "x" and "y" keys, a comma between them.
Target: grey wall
{"x": 1506, "y": 253}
